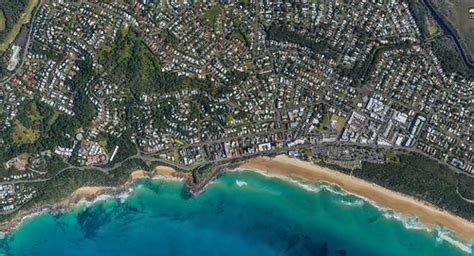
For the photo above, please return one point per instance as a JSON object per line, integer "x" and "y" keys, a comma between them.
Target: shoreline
{"x": 89, "y": 193}
{"x": 427, "y": 213}
{"x": 281, "y": 165}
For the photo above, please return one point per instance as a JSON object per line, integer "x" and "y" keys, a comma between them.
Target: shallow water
{"x": 240, "y": 213}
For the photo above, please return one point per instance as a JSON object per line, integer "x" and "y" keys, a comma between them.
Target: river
{"x": 448, "y": 30}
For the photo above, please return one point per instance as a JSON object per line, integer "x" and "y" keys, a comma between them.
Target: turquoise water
{"x": 241, "y": 213}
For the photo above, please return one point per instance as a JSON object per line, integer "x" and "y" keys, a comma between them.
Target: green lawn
{"x": 23, "y": 156}
{"x": 238, "y": 35}
{"x": 53, "y": 117}
{"x": 2, "y": 21}
{"x": 211, "y": 14}
{"x": 229, "y": 118}
{"x": 340, "y": 121}
{"x": 326, "y": 118}
{"x": 33, "y": 114}
{"x": 23, "y": 135}
{"x": 391, "y": 156}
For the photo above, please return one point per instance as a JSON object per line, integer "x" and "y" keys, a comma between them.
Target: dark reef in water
{"x": 265, "y": 217}
{"x": 91, "y": 219}
{"x": 373, "y": 219}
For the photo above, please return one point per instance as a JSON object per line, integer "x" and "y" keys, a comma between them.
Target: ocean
{"x": 239, "y": 213}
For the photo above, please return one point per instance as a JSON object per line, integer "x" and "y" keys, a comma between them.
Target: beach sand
{"x": 85, "y": 192}
{"x": 138, "y": 174}
{"x": 164, "y": 171}
{"x": 89, "y": 193}
{"x": 427, "y": 213}
{"x": 290, "y": 167}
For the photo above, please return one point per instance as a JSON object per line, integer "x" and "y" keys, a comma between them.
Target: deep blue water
{"x": 241, "y": 213}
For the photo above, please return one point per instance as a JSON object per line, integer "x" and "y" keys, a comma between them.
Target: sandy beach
{"x": 90, "y": 192}
{"x": 138, "y": 174}
{"x": 87, "y": 193}
{"x": 166, "y": 171}
{"x": 428, "y": 214}
{"x": 290, "y": 167}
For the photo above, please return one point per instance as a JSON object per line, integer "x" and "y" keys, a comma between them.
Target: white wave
{"x": 34, "y": 214}
{"x": 108, "y": 196}
{"x": 24, "y": 218}
{"x": 167, "y": 178}
{"x": 241, "y": 183}
{"x": 102, "y": 197}
{"x": 356, "y": 203}
{"x": 445, "y": 235}
{"x": 303, "y": 185}
{"x": 412, "y": 222}
{"x": 408, "y": 221}
{"x": 316, "y": 187}
{"x": 235, "y": 170}
{"x": 125, "y": 194}
{"x": 331, "y": 188}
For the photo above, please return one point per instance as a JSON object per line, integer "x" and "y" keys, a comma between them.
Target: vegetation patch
{"x": 23, "y": 135}
{"x": 282, "y": 33}
{"x": 325, "y": 121}
{"x": 169, "y": 39}
{"x": 391, "y": 156}
{"x": 211, "y": 14}
{"x": 53, "y": 117}
{"x": 456, "y": 13}
{"x": 34, "y": 114}
{"x": 419, "y": 176}
{"x": 421, "y": 16}
{"x": 15, "y": 20}
{"x": 433, "y": 28}
{"x": 340, "y": 122}
{"x": 23, "y": 156}
{"x": 239, "y": 35}
{"x": 2, "y": 21}
{"x": 450, "y": 57}
{"x": 466, "y": 186}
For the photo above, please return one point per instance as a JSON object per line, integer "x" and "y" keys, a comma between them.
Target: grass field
{"x": 23, "y": 135}
{"x": 2, "y": 21}
{"x": 53, "y": 117}
{"x": 325, "y": 122}
{"x": 456, "y": 11}
{"x": 23, "y": 156}
{"x": 340, "y": 122}
{"x": 391, "y": 156}
{"x": 433, "y": 28}
{"x": 34, "y": 115}
{"x": 25, "y": 18}
{"x": 239, "y": 36}
{"x": 211, "y": 14}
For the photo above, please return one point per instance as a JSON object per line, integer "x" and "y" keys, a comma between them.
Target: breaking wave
{"x": 356, "y": 203}
{"x": 410, "y": 221}
{"x": 240, "y": 183}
